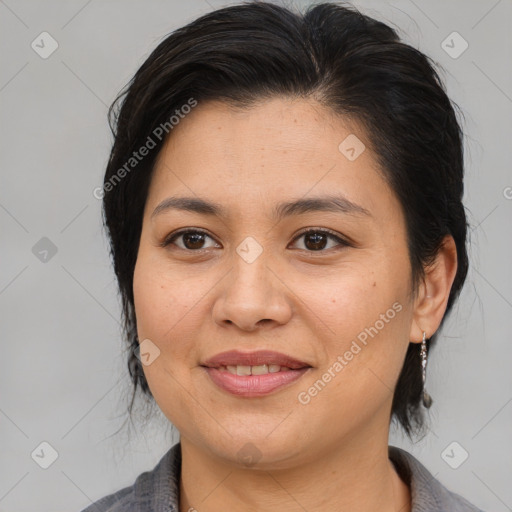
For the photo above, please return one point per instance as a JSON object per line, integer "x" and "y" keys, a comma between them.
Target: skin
{"x": 332, "y": 453}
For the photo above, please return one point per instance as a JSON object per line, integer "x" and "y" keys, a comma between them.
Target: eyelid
{"x": 333, "y": 234}
{"x": 168, "y": 239}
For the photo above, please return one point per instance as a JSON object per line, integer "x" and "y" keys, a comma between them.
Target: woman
{"x": 284, "y": 205}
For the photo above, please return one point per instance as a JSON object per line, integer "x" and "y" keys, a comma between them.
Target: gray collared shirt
{"x": 158, "y": 490}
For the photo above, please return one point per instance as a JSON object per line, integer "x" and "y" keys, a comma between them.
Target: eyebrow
{"x": 330, "y": 203}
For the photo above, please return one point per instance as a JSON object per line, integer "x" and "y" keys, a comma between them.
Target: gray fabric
{"x": 158, "y": 490}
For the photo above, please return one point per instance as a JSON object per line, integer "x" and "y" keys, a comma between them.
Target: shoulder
{"x": 120, "y": 500}
{"x": 427, "y": 493}
{"x": 155, "y": 490}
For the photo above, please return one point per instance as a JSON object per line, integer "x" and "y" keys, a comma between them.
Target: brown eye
{"x": 316, "y": 240}
{"x": 192, "y": 240}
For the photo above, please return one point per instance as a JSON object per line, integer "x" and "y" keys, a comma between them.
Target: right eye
{"x": 192, "y": 239}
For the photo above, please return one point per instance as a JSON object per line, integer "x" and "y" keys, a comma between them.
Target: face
{"x": 328, "y": 286}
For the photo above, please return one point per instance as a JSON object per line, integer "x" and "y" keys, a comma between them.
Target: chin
{"x": 261, "y": 452}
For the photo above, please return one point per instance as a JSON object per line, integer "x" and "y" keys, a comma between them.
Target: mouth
{"x": 254, "y": 374}
{"x": 261, "y": 369}
{"x": 259, "y": 362}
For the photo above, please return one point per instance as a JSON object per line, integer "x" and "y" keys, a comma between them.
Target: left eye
{"x": 315, "y": 240}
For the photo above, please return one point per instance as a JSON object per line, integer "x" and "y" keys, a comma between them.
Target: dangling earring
{"x": 427, "y": 399}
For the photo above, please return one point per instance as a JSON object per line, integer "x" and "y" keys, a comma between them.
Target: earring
{"x": 427, "y": 399}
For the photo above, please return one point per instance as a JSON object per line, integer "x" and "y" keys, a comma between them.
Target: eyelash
{"x": 173, "y": 236}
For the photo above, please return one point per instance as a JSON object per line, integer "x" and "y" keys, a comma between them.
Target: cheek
{"x": 167, "y": 304}
{"x": 348, "y": 300}
{"x": 364, "y": 316}
{"x": 158, "y": 305}
{"x": 162, "y": 310}
{"x": 147, "y": 297}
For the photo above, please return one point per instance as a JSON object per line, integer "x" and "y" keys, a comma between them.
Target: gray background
{"x": 62, "y": 365}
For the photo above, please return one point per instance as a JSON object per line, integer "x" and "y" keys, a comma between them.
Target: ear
{"x": 434, "y": 291}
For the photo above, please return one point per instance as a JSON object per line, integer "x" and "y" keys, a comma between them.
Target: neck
{"x": 355, "y": 476}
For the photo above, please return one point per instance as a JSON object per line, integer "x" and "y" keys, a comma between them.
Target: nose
{"x": 253, "y": 296}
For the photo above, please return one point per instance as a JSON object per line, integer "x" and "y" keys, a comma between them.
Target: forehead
{"x": 277, "y": 149}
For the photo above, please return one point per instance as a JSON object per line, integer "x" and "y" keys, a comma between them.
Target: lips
{"x": 254, "y": 374}
{"x": 257, "y": 358}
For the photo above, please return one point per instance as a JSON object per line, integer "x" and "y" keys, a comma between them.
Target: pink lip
{"x": 253, "y": 385}
{"x": 259, "y": 357}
